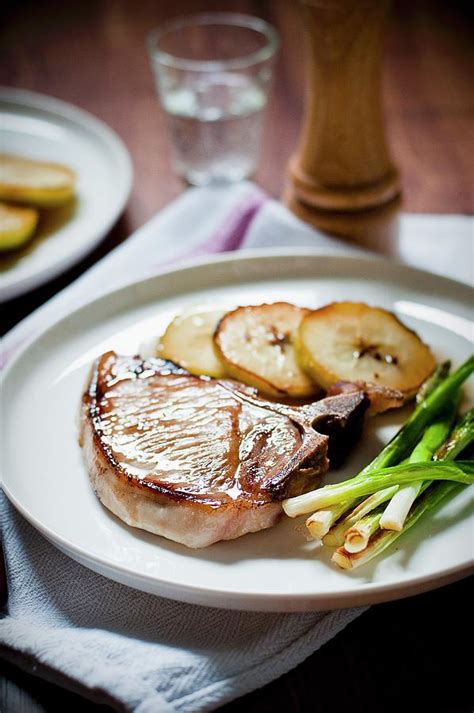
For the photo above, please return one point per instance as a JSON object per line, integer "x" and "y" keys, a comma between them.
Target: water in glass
{"x": 216, "y": 125}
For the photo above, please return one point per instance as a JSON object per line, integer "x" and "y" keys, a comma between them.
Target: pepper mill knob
{"x": 342, "y": 162}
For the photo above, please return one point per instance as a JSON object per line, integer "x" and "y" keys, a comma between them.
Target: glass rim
{"x": 214, "y": 18}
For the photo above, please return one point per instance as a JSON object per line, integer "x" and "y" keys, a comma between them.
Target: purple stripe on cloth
{"x": 228, "y": 236}
{"x": 231, "y": 235}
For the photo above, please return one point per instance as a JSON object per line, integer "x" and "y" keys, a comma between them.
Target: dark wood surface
{"x": 404, "y": 656}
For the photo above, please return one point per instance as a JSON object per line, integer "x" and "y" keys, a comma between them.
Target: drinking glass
{"x": 213, "y": 74}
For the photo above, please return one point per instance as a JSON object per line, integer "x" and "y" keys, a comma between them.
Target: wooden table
{"x": 92, "y": 54}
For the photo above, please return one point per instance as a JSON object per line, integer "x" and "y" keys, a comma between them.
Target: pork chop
{"x": 197, "y": 459}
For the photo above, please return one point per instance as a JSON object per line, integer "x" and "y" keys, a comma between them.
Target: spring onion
{"x": 460, "y": 439}
{"x": 320, "y": 523}
{"x": 434, "y": 436}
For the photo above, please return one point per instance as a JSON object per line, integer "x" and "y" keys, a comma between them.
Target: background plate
{"x": 43, "y": 128}
{"x": 272, "y": 570}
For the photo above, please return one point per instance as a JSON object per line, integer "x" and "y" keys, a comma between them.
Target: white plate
{"x": 273, "y": 570}
{"x": 47, "y": 129}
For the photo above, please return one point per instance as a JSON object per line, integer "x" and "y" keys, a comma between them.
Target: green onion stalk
{"x": 320, "y": 523}
{"x": 432, "y": 496}
{"x": 460, "y": 472}
{"x": 394, "y": 452}
{"x": 336, "y": 535}
{"x": 394, "y": 515}
{"x": 361, "y": 523}
{"x": 356, "y": 529}
{"x": 356, "y": 538}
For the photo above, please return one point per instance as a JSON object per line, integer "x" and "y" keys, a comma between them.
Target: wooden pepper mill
{"x": 342, "y": 163}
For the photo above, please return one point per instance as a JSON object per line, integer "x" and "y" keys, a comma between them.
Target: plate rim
{"x": 108, "y": 136}
{"x": 367, "y": 593}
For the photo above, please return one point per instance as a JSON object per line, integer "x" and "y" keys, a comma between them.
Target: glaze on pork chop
{"x": 199, "y": 460}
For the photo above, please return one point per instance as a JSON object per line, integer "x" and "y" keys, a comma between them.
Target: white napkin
{"x": 111, "y": 643}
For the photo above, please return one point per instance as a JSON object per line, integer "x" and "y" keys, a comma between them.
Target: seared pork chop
{"x": 197, "y": 459}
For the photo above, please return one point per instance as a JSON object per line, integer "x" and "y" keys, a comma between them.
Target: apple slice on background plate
{"x": 40, "y": 128}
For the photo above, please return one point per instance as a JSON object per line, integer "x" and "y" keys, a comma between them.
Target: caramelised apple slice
{"x": 35, "y": 182}
{"x": 17, "y": 225}
{"x": 351, "y": 341}
{"x": 188, "y": 341}
{"x": 256, "y": 345}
